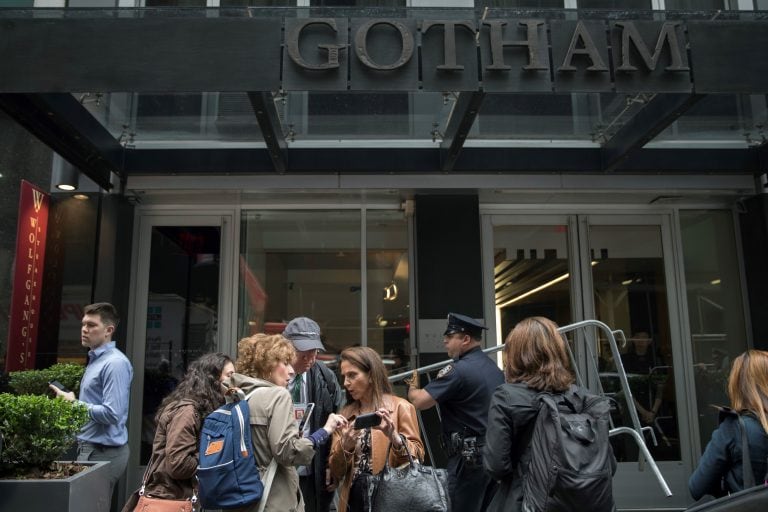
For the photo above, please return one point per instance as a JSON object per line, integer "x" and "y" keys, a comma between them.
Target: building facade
{"x": 375, "y": 167}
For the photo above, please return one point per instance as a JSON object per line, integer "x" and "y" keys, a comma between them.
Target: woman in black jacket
{"x": 537, "y": 361}
{"x": 720, "y": 469}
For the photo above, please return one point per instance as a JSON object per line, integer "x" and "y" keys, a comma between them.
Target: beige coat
{"x": 274, "y": 435}
{"x": 342, "y": 465}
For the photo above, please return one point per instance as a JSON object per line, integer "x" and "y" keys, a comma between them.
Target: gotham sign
{"x": 180, "y": 54}
{"x": 521, "y": 55}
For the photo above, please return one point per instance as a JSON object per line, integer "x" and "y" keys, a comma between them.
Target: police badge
{"x": 445, "y": 371}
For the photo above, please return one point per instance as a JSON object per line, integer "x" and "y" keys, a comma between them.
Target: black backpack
{"x": 571, "y": 460}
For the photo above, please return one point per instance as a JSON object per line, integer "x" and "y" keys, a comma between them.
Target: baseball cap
{"x": 304, "y": 333}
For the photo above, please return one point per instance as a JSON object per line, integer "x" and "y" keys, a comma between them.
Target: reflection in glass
{"x": 397, "y": 115}
{"x": 715, "y": 307}
{"x": 577, "y": 116}
{"x": 388, "y": 284}
{"x": 182, "y": 312}
{"x": 721, "y": 117}
{"x": 530, "y": 275}
{"x": 614, "y": 4}
{"x": 630, "y": 293}
{"x": 304, "y": 263}
{"x": 525, "y": 4}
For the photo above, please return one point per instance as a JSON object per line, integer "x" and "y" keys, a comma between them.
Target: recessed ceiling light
{"x": 81, "y": 197}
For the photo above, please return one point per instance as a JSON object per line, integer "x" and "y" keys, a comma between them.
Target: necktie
{"x": 296, "y": 392}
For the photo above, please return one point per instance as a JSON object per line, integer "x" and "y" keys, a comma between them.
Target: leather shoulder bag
{"x": 412, "y": 487}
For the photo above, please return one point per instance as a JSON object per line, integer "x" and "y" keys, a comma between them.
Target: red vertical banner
{"x": 27, "y": 277}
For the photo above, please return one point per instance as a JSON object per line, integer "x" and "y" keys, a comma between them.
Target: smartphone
{"x": 304, "y": 424}
{"x": 58, "y": 384}
{"x": 367, "y": 420}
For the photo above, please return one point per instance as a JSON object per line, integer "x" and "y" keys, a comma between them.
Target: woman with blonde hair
{"x": 720, "y": 469}
{"x": 264, "y": 365}
{"x": 356, "y": 453}
{"x": 536, "y": 361}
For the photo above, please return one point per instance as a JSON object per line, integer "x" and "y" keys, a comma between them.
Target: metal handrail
{"x": 636, "y": 432}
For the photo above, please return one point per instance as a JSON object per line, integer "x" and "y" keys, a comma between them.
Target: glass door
{"x": 181, "y": 309}
{"x": 618, "y": 269}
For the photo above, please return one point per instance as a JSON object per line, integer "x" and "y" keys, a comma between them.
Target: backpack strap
{"x": 748, "y": 477}
{"x": 269, "y": 476}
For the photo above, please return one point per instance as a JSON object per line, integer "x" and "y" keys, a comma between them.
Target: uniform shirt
{"x": 105, "y": 390}
{"x": 463, "y": 390}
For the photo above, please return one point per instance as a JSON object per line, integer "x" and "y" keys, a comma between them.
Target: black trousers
{"x": 315, "y": 500}
{"x": 471, "y": 488}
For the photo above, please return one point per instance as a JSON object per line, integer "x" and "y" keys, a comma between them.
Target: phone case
{"x": 367, "y": 420}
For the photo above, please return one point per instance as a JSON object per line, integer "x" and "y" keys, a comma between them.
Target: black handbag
{"x": 411, "y": 487}
{"x": 754, "y": 498}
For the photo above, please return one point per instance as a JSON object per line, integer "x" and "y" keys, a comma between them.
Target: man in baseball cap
{"x": 313, "y": 383}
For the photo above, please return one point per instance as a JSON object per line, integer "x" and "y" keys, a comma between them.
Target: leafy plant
{"x": 35, "y": 382}
{"x": 36, "y": 431}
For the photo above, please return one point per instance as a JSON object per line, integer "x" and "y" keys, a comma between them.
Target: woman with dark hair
{"x": 720, "y": 469}
{"x": 264, "y": 368}
{"x": 359, "y": 452}
{"x": 171, "y": 469}
{"x": 536, "y": 361}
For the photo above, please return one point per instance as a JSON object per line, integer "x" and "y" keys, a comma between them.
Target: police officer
{"x": 463, "y": 391}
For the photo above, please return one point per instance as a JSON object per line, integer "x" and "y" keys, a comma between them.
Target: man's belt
{"x": 458, "y": 443}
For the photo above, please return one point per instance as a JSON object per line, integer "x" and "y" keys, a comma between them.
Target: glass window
{"x": 357, "y": 3}
{"x": 696, "y": 5}
{"x": 308, "y": 263}
{"x": 182, "y": 312}
{"x": 715, "y": 307}
{"x": 721, "y": 117}
{"x": 257, "y": 3}
{"x": 614, "y": 4}
{"x": 522, "y": 4}
{"x": 304, "y": 263}
{"x": 388, "y": 279}
{"x": 630, "y": 293}
{"x": 531, "y": 275}
{"x": 67, "y": 279}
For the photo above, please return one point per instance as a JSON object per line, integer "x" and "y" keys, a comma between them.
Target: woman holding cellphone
{"x": 264, "y": 364}
{"x": 358, "y": 452}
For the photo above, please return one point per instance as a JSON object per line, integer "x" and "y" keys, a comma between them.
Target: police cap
{"x": 464, "y": 324}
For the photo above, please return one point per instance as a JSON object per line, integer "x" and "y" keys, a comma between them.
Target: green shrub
{"x": 36, "y": 430}
{"x": 35, "y": 382}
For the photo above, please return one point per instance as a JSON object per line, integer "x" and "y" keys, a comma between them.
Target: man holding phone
{"x": 105, "y": 391}
{"x": 313, "y": 384}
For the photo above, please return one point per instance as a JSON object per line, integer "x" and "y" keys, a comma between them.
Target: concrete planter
{"x": 85, "y": 491}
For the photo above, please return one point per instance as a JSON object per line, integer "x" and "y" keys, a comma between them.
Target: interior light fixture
{"x": 539, "y": 288}
{"x": 81, "y": 197}
{"x": 715, "y": 281}
{"x": 535, "y": 290}
{"x": 626, "y": 282}
{"x": 64, "y": 176}
{"x": 390, "y": 292}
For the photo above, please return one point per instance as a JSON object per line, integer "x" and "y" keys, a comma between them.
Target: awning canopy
{"x": 382, "y": 90}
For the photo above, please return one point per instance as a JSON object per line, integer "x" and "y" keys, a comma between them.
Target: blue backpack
{"x": 227, "y": 474}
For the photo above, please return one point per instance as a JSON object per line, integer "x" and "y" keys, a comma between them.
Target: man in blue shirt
{"x": 105, "y": 391}
{"x": 463, "y": 392}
